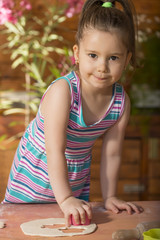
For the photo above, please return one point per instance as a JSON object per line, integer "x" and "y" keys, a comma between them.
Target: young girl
{"x": 52, "y": 162}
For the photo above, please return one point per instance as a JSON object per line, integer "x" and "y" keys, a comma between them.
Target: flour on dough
{"x": 36, "y": 228}
{"x": 2, "y": 224}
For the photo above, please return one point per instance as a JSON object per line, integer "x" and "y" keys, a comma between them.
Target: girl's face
{"x": 102, "y": 57}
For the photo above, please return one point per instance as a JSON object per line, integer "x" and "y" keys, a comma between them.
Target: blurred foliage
{"x": 149, "y": 70}
{"x": 37, "y": 46}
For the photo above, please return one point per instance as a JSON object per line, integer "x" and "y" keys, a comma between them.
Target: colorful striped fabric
{"x": 28, "y": 181}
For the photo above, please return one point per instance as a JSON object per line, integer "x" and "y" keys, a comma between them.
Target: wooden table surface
{"x": 16, "y": 214}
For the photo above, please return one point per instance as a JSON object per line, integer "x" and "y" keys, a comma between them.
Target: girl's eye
{"x": 92, "y": 55}
{"x": 113, "y": 58}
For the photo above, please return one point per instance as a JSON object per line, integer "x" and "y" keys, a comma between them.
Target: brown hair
{"x": 94, "y": 15}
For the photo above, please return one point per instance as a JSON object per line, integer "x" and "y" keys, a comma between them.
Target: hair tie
{"x": 107, "y": 4}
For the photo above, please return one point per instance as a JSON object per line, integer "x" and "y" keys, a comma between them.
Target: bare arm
{"x": 111, "y": 154}
{"x": 55, "y": 108}
{"x": 110, "y": 163}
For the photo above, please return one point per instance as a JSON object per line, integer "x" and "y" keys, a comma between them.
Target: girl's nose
{"x": 102, "y": 67}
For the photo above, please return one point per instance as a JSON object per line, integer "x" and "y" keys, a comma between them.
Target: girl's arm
{"x": 55, "y": 108}
{"x": 110, "y": 164}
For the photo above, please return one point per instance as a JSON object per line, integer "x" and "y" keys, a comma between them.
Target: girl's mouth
{"x": 101, "y": 78}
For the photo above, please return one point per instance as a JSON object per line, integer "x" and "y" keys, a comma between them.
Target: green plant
{"x": 37, "y": 46}
{"x": 33, "y": 46}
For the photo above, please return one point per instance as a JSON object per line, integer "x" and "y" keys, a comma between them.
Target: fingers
{"x": 116, "y": 205}
{"x": 67, "y": 220}
{"x": 133, "y": 207}
{"x": 82, "y": 216}
{"x": 114, "y": 209}
{"x": 88, "y": 209}
{"x": 81, "y": 213}
{"x": 72, "y": 219}
{"x": 128, "y": 208}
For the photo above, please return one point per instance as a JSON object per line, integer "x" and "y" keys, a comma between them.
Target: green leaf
{"x": 34, "y": 106}
{"x": 50, "y": 49}
{"x": 61, "y": 19}
{"x": 55, "y": 72}
{"x": 33, "y": 33}
{"x": 59, "y": 50}
{"x": 52, "y": 37}
{"x": 45, "y": 52}
{"x": 13, "y": 41}
{"x": 14, "y": 54}
{"x": 3, "y": 137}
{"x": 36, "y": 44}
{"x": 12, "y": 28}
{"x": 38, "y": 21}
{"x": 43, "y": 67}
{"x": 20, "y": 28}
{"x": 36, "y": 73}
{"x": 23, "y": 21}
{"x": 13, "y": 111}
{"x": 15, "y": 123}
{"x": 17, "y": 62}
{"x": 19, "y": 51}
{"x": 55, "y": 17}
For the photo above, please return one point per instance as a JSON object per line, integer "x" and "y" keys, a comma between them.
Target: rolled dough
{"x": 36, "y": 228}
{"x": 2, "y": 224}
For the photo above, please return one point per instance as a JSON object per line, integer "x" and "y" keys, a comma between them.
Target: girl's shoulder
{"x": 64, "y": 81}
{"x": 60, "y": 89}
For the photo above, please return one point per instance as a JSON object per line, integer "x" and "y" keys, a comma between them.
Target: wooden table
{"x": 15, "y": 214}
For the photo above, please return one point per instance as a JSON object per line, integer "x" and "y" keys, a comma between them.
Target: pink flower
{"x": 28, "y": 6}
{"x": 19, "y": 14}
{"x": 70, "y": 12}
{"x": 6, "y": 4}
{"x": 5, "y": 15}
{"x": 72, "y": 60}
{"x": 25, "y": 4}
{"x": 60, "y": 65}
{"x": 62, "y": 73}
{"x": 9, "y": 14}
{"x": 74, "y": 7}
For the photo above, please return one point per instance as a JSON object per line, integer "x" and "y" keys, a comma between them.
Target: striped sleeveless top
{"x": 28, "y": 181}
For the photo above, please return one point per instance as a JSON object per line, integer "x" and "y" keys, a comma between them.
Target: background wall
{"x": 15, "y": 78}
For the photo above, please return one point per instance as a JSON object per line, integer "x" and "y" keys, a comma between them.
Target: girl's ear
{"x": 128, "y": 58}
{"x": 76, "y": 52}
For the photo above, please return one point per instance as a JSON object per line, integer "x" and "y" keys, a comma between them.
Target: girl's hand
{"x": 116, "y": 205}
{"x": 77, "y": 208}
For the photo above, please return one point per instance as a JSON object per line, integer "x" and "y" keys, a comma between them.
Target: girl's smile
{"x": 101, "y": 78}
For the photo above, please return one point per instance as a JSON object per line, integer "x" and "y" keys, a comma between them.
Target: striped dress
{"x": 28, "y": 181}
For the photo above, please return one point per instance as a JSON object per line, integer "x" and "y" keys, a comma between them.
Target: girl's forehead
{"x": 111, "y": 33}
{"x": 94, "y": 37}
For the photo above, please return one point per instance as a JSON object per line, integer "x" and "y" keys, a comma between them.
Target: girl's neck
{"x": 95, "y": 102}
